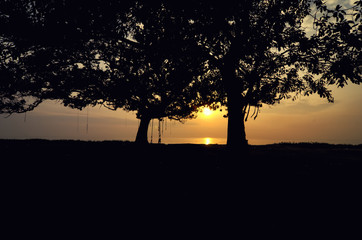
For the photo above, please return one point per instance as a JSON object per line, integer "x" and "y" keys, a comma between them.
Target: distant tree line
{"x": 166, "y": 59}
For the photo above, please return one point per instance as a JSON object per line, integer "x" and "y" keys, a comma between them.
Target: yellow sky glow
{"x": 308, "y": 119}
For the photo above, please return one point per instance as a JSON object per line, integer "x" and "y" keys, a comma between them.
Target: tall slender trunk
{"x": 141, "y": 137}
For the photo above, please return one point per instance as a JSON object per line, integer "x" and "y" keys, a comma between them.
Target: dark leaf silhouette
{"x": 165, "y": 59}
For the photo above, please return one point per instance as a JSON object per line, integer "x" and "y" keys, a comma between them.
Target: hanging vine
{"x": 152, "y": 131}
{"x": 159, "y": 130}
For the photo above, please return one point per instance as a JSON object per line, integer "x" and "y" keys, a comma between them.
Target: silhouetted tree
{"x": 138, "y": 59}
{"x": 262, "y": 53}
{"x": 163, "y": 59}
{"x": 157, "y": 71}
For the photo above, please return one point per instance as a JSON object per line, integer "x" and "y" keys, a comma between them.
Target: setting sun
{"x": 207, "y": 111}
{"x": 207, "y": 141}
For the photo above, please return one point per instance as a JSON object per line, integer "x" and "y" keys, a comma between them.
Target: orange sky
{"x": 308, "y": 119}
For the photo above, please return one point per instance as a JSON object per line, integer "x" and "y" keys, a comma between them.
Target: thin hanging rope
{"x": 151, "y": 130}
{"x": 247, "y": 114}
{"x": 78, "y": 121}
{"x": 257, "y": 112}
{"x": 159, "y": 131}
{"x": 254, "y": 112}
{"x": 170, "y": 127}
{"x": 87, "y": 120}
{"x": 163, "y": 125}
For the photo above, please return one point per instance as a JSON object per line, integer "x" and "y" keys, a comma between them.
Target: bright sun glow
{"x": 207, "y": 111}
{"x": 207, "y": 141}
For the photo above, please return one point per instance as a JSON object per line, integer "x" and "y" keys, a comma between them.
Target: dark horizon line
{"x": 301, "y": 144}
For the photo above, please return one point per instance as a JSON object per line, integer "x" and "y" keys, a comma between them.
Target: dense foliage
{"x": 166, "y": 58}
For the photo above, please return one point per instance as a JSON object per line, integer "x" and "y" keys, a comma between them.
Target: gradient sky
{"x": 308, "y": 119}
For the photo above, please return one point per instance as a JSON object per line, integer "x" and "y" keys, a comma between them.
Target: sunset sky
{"x": 308, "y": 119}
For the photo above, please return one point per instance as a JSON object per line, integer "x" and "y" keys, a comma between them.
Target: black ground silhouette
{"x": 295, "y": 190}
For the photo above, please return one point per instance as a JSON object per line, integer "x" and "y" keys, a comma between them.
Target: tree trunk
{"x": 236, "y": 136}
{"x": 141, "y": 137}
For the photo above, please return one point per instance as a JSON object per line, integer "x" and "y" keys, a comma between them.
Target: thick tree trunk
{"x": 141, "y": 137}
{"x": 236, "y": 137}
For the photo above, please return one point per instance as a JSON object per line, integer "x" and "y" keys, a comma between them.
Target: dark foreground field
{"x": 304, "y": 191}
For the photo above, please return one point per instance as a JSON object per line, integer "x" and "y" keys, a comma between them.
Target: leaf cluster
{"x": 166, "y": 59}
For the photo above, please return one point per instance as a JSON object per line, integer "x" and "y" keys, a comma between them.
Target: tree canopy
{"x": 262, "y": 53}
{"x": 166, "y": 59}
{"x": 140, "y": 61}
{"x": 38, "y": 39}
{"x": 157, "y": 70}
